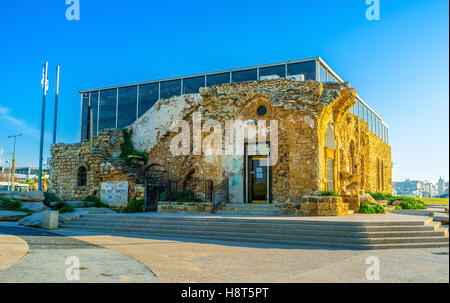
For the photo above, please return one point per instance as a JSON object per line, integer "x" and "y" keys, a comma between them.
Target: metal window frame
{"x": 318, "y": 62}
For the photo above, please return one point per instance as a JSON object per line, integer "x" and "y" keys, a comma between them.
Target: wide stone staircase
{"x": 248, "y": 209}
{"x": 290, "y": 231}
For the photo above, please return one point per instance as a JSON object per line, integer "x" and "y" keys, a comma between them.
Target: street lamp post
{"x": 13, "y": 161}
{"x": 9, "y": 175}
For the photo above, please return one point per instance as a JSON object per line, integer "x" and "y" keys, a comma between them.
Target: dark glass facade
{"x": 127, "y": 106}
{"x": 108, "y": 109}
{"x": 121, "y": 106}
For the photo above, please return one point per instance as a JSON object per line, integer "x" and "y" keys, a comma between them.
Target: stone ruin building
{"x": 298, "y": 130}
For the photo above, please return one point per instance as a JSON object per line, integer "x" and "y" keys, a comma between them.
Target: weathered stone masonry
{"x": 314, "y": 126}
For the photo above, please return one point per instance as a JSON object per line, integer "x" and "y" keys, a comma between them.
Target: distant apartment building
{"x": 419, "y": 188}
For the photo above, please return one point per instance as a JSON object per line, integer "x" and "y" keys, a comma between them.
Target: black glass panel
{"x": 148, "y": 95}
{"x": 279, "y": 70}
{"x": 86, "y": 112}
{"x": 127, "y": 106}
{"x": 94, "y": 108}
{"x": 192, "y": 85}
{"x": 107, "y": 109}
{"x": 307, "y": 68}
{"x": 217, "y": 79}
{"x": 84, "y": 117}
{"x": 245, "y": 75}
{"x": 170, "y": 89}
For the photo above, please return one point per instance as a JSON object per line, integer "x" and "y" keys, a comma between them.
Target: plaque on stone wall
{"x": 115, "y": 192}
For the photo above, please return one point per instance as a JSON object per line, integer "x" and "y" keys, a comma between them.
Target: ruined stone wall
{"x": 297, "y": 106}
{"x": 68, "y": 158}
{"x": 305, "y": 113}
{"x": 359, "y": 155}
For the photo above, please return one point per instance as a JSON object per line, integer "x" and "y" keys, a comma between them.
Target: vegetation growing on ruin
{"x": 329, "y": 193}
{"x": 127, "y": 148}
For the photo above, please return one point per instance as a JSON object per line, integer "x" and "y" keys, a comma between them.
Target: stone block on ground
{"x": 34, "y": 220}
{"x": 367, "y": 198}
{"x": 11, "y": 216}
{"x": 35, "y": 207}
{"x": 29, "y": 196}
{"x": 397, "y": 202}
{"x": 323, "y": 206}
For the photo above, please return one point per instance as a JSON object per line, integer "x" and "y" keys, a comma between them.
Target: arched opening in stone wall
{"x": 156, "y": 172}
{"x": 82, "y": 176}
{"x": 330, "y": 143}
{"x": 353, "y": 158}
{"x": 378, "y": 175}
{"x": 330, "y": 140}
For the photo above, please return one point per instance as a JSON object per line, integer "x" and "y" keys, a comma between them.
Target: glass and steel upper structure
{"x": 119, "y": 106}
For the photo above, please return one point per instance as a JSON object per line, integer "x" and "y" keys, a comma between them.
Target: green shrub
{"x": 127, "y": 147}
{"x": 51, "y": 197}
{"x": 380, "y": 196}
{"x": 134, "y": 206}
{"x": 92, "y": 198}
{"x": 12, "y": 205}
{"x": 366, "y": 208}
{"x": 328, "y": 193}
{"x": 67, "y": 208}
{"x": 408, "y": 202}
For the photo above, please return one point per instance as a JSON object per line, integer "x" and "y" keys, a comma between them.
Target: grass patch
{"x": 439, "y": 201}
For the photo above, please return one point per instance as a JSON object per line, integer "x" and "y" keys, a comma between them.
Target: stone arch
{"x": 82, "y": 176}
{"x": 155, "y": 171}
{"x": 353, "y": 157}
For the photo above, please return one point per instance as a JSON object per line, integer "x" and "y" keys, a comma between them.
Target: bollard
{"x": 50, "y": 219}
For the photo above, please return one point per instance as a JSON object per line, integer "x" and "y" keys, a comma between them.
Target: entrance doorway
{"x": 258, "y": 179}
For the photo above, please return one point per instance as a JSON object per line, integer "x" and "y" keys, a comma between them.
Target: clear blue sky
{"x": 399, "y": 65}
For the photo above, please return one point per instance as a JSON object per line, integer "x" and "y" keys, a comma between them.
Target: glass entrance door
{"x": 258, "y": 177}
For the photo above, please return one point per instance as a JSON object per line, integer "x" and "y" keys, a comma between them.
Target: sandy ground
{"x": 12, "y": 249}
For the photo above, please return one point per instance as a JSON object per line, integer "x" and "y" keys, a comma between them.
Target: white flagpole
{"x": 44, "y": 93}
{"x": 56, "y": 105}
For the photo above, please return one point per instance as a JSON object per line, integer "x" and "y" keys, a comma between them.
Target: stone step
{"x": 238, "y": 224}
{"x": 261, "y": 238}
{"x": 209, "y": 218}
{"x": 347, "y": 238}
{"x": 264, "y": 230}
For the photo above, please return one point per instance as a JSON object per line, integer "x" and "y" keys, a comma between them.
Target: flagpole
{"x": 56, "y": 104}
{"x": 44, "y": 93}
